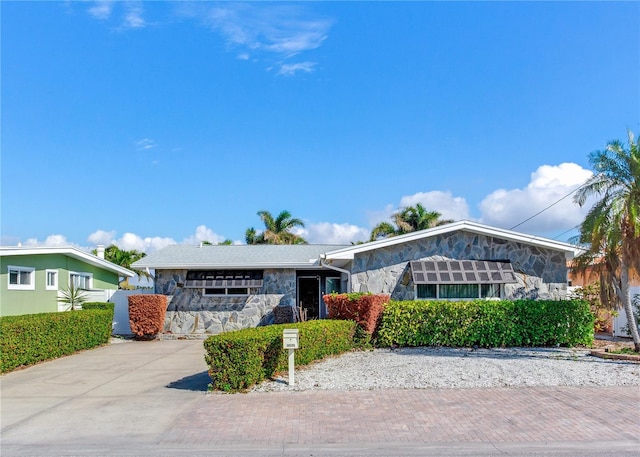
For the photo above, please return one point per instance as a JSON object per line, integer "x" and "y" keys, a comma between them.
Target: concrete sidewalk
{"x": 149, "y": 398}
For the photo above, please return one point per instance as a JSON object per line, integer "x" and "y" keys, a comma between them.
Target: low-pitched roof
{"x": 467, "y": 226}
{"x": 310, "y": 255}
{"x": 69, "y": 251}
{"x": 236, "y": 256}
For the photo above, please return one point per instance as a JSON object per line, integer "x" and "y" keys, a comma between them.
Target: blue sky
{"x": 150, "y": 123}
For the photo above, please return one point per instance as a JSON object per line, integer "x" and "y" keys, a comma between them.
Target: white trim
{"x": 467, "y": 226}
{"x": 56, "y": 275}
{"x": 229, "y": 266}
{"x": 21, "y": 269}
{"x": 68, "y": 251}
{"x": 338, "y": 269}
{"x": 82, "y": 273}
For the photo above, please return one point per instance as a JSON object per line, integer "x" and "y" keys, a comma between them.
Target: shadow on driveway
{"x": 197, "y": 382}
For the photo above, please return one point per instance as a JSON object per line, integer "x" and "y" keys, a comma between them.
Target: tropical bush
{"x": 486, "y": 323}
{"x": 238, "y": 360}
{"x": 365, "y": 309}
{"x": 146, "y": 314}
{"x": 72, "y": 296}
{"x": 33, "y": 338}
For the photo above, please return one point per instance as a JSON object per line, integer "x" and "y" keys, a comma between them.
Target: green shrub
{"x": 238, "y": 360}
{"x": 33, "y": 338}
{"x": 98, "y": 305}
{"x": 486, "y": 323}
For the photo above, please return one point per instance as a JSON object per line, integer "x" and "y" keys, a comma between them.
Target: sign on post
{"x": 290, "y": 342}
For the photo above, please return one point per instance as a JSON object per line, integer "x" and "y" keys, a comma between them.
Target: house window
{"x": 52, "y": 279}
{"x": 461, "y": 279}
{"x": 457, "y": 291}
{"x": 81, "y": 280}
{"x": 224, "y": 282}
{"x": 332, "y": 285}
{"x": 21, "y": 278}
{"x": 427, "y": 291}
{"x": 226, "y": 291}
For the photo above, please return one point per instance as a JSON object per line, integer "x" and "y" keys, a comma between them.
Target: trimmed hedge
{"x": 33, "y": 338}
{"x": 99, "y": 305}
{"x": 238, "y": 360}
{"x": 365, "y": 309}
{"x": 486, "y": 323}
{"x": 146, "y": 314}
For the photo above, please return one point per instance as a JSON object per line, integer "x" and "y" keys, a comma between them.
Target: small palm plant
{"x": 72, "y": 296}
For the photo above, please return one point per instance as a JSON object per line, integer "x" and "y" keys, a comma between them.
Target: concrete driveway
{"x": 149, "y": 398}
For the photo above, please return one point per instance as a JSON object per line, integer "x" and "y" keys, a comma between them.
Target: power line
{"x": 551, "y": 205}
{"x": 566, "y": 231}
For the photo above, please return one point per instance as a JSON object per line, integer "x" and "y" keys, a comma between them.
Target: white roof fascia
{"x": 68, "y": 251}
{"x": 473, "y": 227}
{"x": 228, "y": 266}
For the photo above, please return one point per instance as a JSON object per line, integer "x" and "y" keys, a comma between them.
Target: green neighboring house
{"x": 32, "y": 277}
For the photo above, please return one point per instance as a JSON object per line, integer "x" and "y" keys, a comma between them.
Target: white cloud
{"x": 332, "y": 233}
{"x": 280, "y": 30}
{"x": 101, "y": 9}
{"x": 145, "y": 144}
{"x": 450, "y": 207}
{"x": 133, "y": 16}
{"x": 374, "y": 217}
{"x": 253, "y": 31}
{"x": 203, "y": 234}
{"x": 102, "y": 237}
{"x": 290, "y": 69}
{"x": 130, "y": 241}
{"x": 507, "y": 208}
{"x": 51, "y": 240}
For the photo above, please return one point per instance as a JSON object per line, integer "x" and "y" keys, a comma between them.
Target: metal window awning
{"x": 219, "y": 279}
{"x": 462, "y": 272}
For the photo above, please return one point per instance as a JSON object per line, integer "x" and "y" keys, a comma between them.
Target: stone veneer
{"x": 189, "y": 312}
{"x": 541, "y": 273}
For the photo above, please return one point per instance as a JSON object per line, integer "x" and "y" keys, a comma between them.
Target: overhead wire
{"x": 550, "y": 206}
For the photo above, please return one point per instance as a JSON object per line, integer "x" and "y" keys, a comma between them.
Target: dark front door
{"x": 309, "y": 297}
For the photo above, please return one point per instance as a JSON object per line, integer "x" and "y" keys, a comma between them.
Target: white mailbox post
{"x": 290, "y": 342}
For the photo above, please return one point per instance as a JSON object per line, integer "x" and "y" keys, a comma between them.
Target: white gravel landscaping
{"x": 423, "y": 368}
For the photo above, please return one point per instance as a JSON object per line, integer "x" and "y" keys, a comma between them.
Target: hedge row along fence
{"x": 486, "y": 323}
{"x": 33, "y": 338}
{"x": 240, "y": 359}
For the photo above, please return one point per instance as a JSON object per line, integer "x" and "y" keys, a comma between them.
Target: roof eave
{"x": 473, "y": 227}
{"x": 228, "y": 266}
{"x": 71, "y": 252}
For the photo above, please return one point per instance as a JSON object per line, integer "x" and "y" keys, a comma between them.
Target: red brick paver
{"x": 430, "y": 416}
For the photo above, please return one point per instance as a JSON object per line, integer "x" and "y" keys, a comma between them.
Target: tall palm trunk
{"x": 625, "y": 298}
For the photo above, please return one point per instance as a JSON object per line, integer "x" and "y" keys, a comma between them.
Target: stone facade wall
{"x": 190, "y": 312}
{"x": 541, "y": 273}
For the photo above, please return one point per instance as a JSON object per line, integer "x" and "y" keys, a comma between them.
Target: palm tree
{"x": 276, "y": 230}
{"x": 114, "y": 254}
{"x": 408, "y": 219}
{"x": 251, "y": 237}
{"x": 611, "y": 229}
